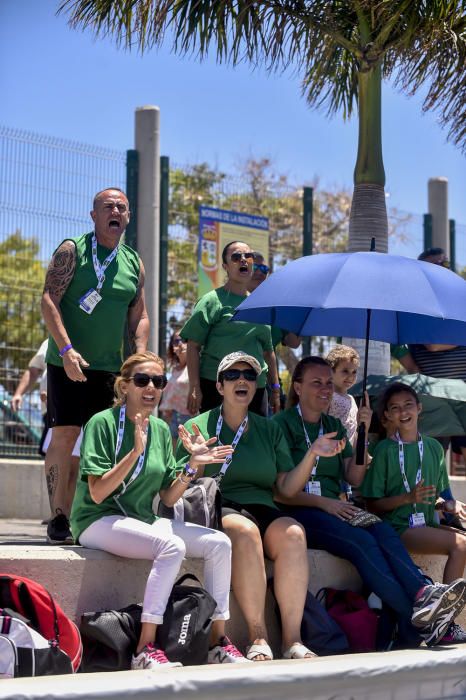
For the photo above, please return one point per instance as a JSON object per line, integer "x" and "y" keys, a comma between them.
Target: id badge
{"x": 89, "y": 301}
{"x": 313, "y": 487}
{"x": 417, "y": 520}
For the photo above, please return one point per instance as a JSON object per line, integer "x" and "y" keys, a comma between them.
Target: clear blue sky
{"x": 63, "y": 82}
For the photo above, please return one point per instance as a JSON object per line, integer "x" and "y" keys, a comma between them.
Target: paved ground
{"x": 15, "y": 531}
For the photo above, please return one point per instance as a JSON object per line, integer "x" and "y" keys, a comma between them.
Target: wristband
{"x": 275, "y": 386}
{"x": 189, "y": 471}
{"x": 65, "y": 349}
{"x": 184, "y": 481}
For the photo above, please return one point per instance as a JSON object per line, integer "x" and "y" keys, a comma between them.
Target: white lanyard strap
{"x": 308, "y": 440}
{"x": 401, "y": 459}
{"x": 236, "y": 440}
{"x": 100, "y": 268}
{"x": 140, "y": 462}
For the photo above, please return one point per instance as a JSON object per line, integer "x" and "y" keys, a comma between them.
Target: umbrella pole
{"x": 361, "y": 441}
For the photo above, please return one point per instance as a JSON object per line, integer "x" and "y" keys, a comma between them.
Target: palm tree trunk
{"x": 368, "y": 211}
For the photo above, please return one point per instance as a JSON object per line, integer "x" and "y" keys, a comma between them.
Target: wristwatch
{"x": 189, "y": 471}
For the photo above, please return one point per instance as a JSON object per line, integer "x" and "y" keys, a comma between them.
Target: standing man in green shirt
{"x": 94, "y": 285}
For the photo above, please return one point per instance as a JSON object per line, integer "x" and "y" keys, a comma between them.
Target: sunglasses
{"x": 231, "y": 375}
{"x": 158, "y": 380}
{"x": 177, "y": 341}
{"x": 236, "y": 257}
{"x": 263, "y": 268}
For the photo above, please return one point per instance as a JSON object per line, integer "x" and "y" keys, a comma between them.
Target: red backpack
{"x": 352, "y": 613}
{"x": 35, "y": 603}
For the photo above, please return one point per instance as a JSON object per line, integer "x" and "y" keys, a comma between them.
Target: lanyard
{"x": 236, "y": 440}
{"x": 100, "y": 268}
{"x": 308, "y": 441}
{"x": 140, "y": 462}
{"x": 401, "y": 459}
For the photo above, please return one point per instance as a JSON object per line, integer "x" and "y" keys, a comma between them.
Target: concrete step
{"x": 84, "y": 580}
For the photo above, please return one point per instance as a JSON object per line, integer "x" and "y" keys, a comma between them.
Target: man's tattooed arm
{"x": 59, "y": 275}
{"x": 60, "y": 271}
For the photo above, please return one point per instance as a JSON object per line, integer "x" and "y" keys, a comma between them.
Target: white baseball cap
{"x": 239, "y": 356}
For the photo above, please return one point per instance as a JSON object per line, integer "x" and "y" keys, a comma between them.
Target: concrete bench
{"x": 86, "y": 580}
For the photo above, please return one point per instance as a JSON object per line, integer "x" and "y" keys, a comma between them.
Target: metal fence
{"x": 46, "y": 190}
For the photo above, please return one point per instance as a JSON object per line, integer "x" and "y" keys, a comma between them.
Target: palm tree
{"x": 342, "y": 48}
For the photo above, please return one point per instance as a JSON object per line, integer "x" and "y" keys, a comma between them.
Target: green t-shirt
{"x": 259, "y": 456}
{"x": 98, "y": 456}
{"x": 98, "y": 336}
{"x": 210, "y": 326}
{"x": 384, "y": 478}
{"x": 330, "y": 470}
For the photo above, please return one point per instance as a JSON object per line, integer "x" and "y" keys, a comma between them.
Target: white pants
{"x": 166, "y": 542}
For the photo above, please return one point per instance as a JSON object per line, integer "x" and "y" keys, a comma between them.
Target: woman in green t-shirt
{"x": 375, "y": 549}
{"x": 210, "y": 335}
{"x": 407, "y": 475}
{"x": 126, "y": 460}
{"x": 261, "y": 464}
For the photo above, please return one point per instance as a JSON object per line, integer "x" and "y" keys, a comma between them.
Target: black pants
{"x": 211, "y": 398}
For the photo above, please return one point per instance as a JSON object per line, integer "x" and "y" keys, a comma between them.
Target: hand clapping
{"x": 327, "y": 446}
{"x": 200, "y": 449}
{"x": 140, "y": 433}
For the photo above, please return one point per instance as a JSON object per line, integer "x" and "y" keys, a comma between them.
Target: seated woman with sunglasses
{"x": 210, "y": 336}
{"x": 261, "y": 463}
{"x": 126, "y": 460}
{"x": 339, "y": 527}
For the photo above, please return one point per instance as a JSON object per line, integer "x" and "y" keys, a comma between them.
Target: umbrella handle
{"x": 361, "y": 444}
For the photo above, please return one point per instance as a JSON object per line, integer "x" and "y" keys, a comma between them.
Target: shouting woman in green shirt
{"x": 261, "y": 463}
{"x": 210, "y": 335}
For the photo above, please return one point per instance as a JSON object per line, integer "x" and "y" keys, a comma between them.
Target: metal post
{"x": 452, "y": 231}
{"x": 163, "y": 296}
{"x": 132, "y": 174}
{"x": 438, "y": 207}
{"x": 427, "y": 226}
{"x": 308, "y": 201}
{"x": 147, "y": 133}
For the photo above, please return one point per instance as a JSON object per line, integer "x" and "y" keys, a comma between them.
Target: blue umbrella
{"x": 362, "y": 295}
{"x": 330, "y": 294}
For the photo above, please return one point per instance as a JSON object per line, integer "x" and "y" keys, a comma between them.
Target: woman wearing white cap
{"x": 261, "y": 463}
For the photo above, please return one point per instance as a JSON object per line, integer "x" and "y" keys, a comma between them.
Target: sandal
{"x": 257, "y": 650}
{"x": 298, "y": 651}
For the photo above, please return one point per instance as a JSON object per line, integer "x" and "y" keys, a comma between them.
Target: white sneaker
{"x": 225, "y": 653}
{"x": 150, "y": 659}
{"x": 437, "y": 600}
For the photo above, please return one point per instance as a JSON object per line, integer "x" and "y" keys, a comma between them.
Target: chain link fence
{"x": 46, "y": 191}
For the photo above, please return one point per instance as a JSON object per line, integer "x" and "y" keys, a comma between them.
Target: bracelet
{"x": 184, "y": 481}
{"x": 275, "y": 386}
{"x": 65, "y": 349}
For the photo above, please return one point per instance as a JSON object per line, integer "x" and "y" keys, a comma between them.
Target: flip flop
{"x": 258, "y": 649}
{"x": 298, "y": 651}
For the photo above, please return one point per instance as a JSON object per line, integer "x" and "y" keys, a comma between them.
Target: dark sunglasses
{"x": 231, "y": 375}
{"x": 158, "y": 380}
{"x": 263, "y": 268}
{"x": 236, "y": 257}
{"x": 177, "y": 341}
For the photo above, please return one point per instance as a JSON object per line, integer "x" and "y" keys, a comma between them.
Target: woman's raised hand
{"x": 200, "y": 449}
{"x": 327, "y": 446}
{"x": 195, "y": 438}
{"x": 140, "y": 433}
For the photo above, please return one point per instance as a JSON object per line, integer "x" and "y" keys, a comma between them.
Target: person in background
{"x": 210, "y": 335}
{"x": 126, "y": 460}
{"x": 340, "y": 528}
{"x": 404, "y": 484}
{"x": 344, "y": 362}
{"x": 279, "y": 336}
{"x": 173, "y": 405}
{"x": 94, "y": 287}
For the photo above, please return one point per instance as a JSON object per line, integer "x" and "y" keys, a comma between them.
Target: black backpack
{"x": 110, "y": 637}
{"x": 201, "y": 504}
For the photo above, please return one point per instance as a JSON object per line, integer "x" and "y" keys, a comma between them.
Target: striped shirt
{"x": 449, "y": 364}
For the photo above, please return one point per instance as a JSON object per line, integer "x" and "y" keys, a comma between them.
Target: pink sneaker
{"x": 225, "y": 653}
{"x": 150, "y": 659}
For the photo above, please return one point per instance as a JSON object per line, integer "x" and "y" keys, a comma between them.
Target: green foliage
{"x": 22, "y": 278}
{"x": 418, "y": 44}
